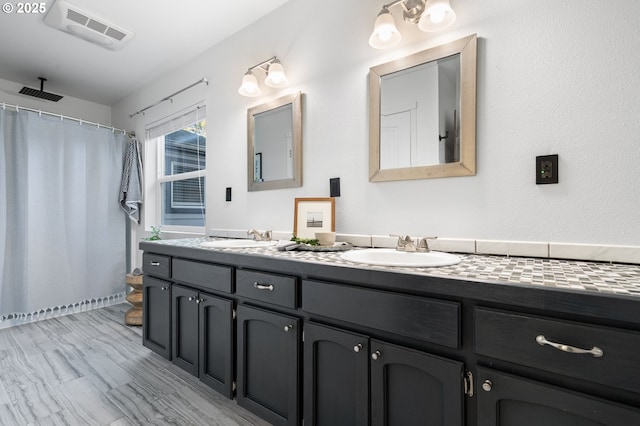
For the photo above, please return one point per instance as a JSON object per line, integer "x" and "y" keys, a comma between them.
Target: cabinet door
{"x": 156, "y": 323}
{"x": 336, "y": 377}
{"x": 413, "y": 388}
{"x": 508, "y": 400}
{"x": 185, "y": 328}
{"x": 268, "y": 357}
{"x": 216, "y": 343}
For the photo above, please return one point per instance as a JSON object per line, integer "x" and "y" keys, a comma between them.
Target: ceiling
{"x": 166, "y": 35}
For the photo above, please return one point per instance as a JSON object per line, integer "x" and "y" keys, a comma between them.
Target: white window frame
{"x": 155, "y": 178}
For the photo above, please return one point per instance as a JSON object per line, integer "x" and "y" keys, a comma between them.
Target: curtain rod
{"x": 79, "y": 120}
{"x": 168, "y": 98}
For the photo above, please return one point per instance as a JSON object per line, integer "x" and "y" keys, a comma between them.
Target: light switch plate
{"x": 334, "y": 187}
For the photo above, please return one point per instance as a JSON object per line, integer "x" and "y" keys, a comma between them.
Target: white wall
{"x": 68, "y": 106}
{"x": 553, "y": 78}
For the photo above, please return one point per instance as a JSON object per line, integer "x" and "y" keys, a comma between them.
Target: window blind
{"x": 176, "y": 122}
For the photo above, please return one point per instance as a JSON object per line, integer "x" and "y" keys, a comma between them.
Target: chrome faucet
{"x": 423, "y": 244}
{"x": 406, "y": 243}
{"x": 258, "y": 236}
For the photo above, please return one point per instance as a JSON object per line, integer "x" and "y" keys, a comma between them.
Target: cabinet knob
{"x": 191, "y": 298}
{"x": 376, "y": 355}
{"x": 486, "y": 386}
{"x": 288, "y": 327}
{"x": 163, "y": 288}
{"x": 199, "y": 300}
{"x": 357, "y": 347}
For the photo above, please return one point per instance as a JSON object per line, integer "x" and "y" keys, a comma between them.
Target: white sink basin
{"x": 392, "y": 257}
{"x": 237, "y": 243}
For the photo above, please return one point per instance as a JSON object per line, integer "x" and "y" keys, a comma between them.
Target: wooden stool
{"x": 134, "y": 315}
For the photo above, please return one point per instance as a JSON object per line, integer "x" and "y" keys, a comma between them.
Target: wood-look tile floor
{"x": 89, "y": 368}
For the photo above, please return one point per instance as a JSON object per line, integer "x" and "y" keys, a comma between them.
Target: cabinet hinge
{"x": 233, "y": 386}
{"x": 303, "y": 342}
{"x": 233, "y": 314}
{"x": 468, "y": 383}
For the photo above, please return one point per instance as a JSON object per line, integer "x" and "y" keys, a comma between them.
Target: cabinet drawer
{"x": 203, "y": 275}
{"x": 513, "y": 337}
{"x": 270, "y": 288}
{"x": 415, "y": 317}
{"x": 156, "y": 265}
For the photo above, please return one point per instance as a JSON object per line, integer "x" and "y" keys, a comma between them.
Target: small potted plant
{"x": 155, "y": 233}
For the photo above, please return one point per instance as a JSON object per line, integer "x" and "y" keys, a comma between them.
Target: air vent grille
{"x": 71, "y": 19}
{"x": 97, "y": 26}
{"x": 113, "y": 33}
{"x": 74, "y": 16}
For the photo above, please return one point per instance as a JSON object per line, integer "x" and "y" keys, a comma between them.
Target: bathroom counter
{"x": 480, "y": 321}
{"x": 611, "y": 278}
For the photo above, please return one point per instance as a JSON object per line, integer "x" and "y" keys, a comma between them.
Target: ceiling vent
{"x": 67, "y": 17}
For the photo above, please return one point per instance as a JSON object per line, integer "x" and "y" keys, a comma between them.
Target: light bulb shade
{"x": 276, "y": 76}
{"x": 385, "y": 34}
{"x": 249, "y": 86}
{"x": 437, "y": 16}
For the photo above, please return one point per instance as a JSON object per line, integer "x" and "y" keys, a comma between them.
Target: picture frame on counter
{"x": 313, "y": 215}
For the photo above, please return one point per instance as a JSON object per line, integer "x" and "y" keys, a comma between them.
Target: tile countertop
{"x": 610, "y": 278}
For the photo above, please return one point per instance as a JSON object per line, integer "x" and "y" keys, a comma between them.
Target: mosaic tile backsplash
{"x": 613, "y": 278}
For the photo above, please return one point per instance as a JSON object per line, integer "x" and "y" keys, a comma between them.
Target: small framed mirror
{"x": 274, "y": 144}
{"x": 422, "y": 114}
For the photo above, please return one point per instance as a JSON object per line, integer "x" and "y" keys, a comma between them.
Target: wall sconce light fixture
{"x": 429, "y": 15}
{"x": 275, "y": 77}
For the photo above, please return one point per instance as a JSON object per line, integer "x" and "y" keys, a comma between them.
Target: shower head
{"x": 40, "y": 93}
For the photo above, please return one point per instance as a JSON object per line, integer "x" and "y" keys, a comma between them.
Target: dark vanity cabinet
{"x": 156, "y": 304}
{"x": 268, "y": 357}
{"x": 202, "y": 327}
{"x": 336, "y": 377}
{"x": 410, "y": 387}
{"x": 185, "y": 322}
{"x": 605, "y": 356}
{"x": 406, "y": 386}
{"x": 324, "y": 345}
{"x": 508, "y": 400}
{"x": 268, "y": 363}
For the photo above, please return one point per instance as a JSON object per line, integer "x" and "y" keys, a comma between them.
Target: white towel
{"x": 131, "y": 183}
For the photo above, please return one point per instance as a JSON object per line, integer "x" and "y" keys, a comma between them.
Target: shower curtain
{"x": 62, "y": 232}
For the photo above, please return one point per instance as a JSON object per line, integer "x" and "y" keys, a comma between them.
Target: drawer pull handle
{"x": 152, "y": 263}
{"x": 288, "y": 327}
{"x": 263, "y": 286}
{"x": 357, "y": 347}
{"x": 376, "y": 355}
{"x": 595, "y": 351}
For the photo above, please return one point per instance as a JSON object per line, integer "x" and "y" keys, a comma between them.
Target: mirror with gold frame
{"x": 422, "y": 114}
{"x": 274, "y": 144}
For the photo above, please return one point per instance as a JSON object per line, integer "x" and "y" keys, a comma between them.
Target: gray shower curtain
{"x": 62, "y": 233}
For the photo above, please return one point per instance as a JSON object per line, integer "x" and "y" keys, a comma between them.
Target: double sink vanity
{"x": 324, "y": 339}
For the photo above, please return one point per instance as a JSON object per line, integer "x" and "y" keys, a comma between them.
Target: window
{"x": 179, "y": 187}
